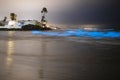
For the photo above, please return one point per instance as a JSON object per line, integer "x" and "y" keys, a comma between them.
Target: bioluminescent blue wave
{"x": 82, "y": 33}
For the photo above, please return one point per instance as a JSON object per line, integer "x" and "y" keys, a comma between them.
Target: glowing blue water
{"x": 81, "y": 33}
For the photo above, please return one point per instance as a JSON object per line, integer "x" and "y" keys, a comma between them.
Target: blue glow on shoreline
{"x": 81, "y": 33}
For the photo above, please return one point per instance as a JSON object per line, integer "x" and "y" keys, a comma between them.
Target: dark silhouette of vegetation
{"x": 44, "y": 10}
{"x": 5, "y": 19}
{"x": 34, "y": 27}
{"x": 43, "y": 20}
{"x": 13, "y": 16}
{"x": 3, "y": 22}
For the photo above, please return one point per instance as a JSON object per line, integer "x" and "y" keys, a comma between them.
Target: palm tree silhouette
{"x": 5, "y": 19}
{"x": 44, "y": 11}
{"x": 13, "y": 16}
{"x": 43, "y": 20}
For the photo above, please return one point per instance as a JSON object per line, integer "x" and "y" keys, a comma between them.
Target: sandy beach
{"x": 26, "y": 56}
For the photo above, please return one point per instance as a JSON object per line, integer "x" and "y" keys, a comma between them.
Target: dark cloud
{"x": 104, "y": 13}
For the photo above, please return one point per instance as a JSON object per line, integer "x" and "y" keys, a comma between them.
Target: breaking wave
{"x": 81, "y": 33}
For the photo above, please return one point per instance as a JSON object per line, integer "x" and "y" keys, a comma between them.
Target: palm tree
{"x": 13, "y": 16}
{"x": 5, "y": 19}
{"x": 44, "y": 11}
{"x": 43, "y": 20}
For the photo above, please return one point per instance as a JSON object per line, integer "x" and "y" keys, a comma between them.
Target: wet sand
{"x": 25, "y": 56}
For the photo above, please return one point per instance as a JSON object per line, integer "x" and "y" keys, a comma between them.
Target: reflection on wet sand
{"x": 22, "y": 70}
{"x": 11, "y": 33}
{"x": 10, "y": 50}
{"x": 39, "y": 57}
{"x": 43, "y": 54}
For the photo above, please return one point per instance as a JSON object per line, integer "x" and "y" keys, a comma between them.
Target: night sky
{"x": 66, "y": 12}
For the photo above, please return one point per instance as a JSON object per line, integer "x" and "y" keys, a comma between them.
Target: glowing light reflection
{"x": 10, "y": 51}
{"x": 82, "y": 33}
